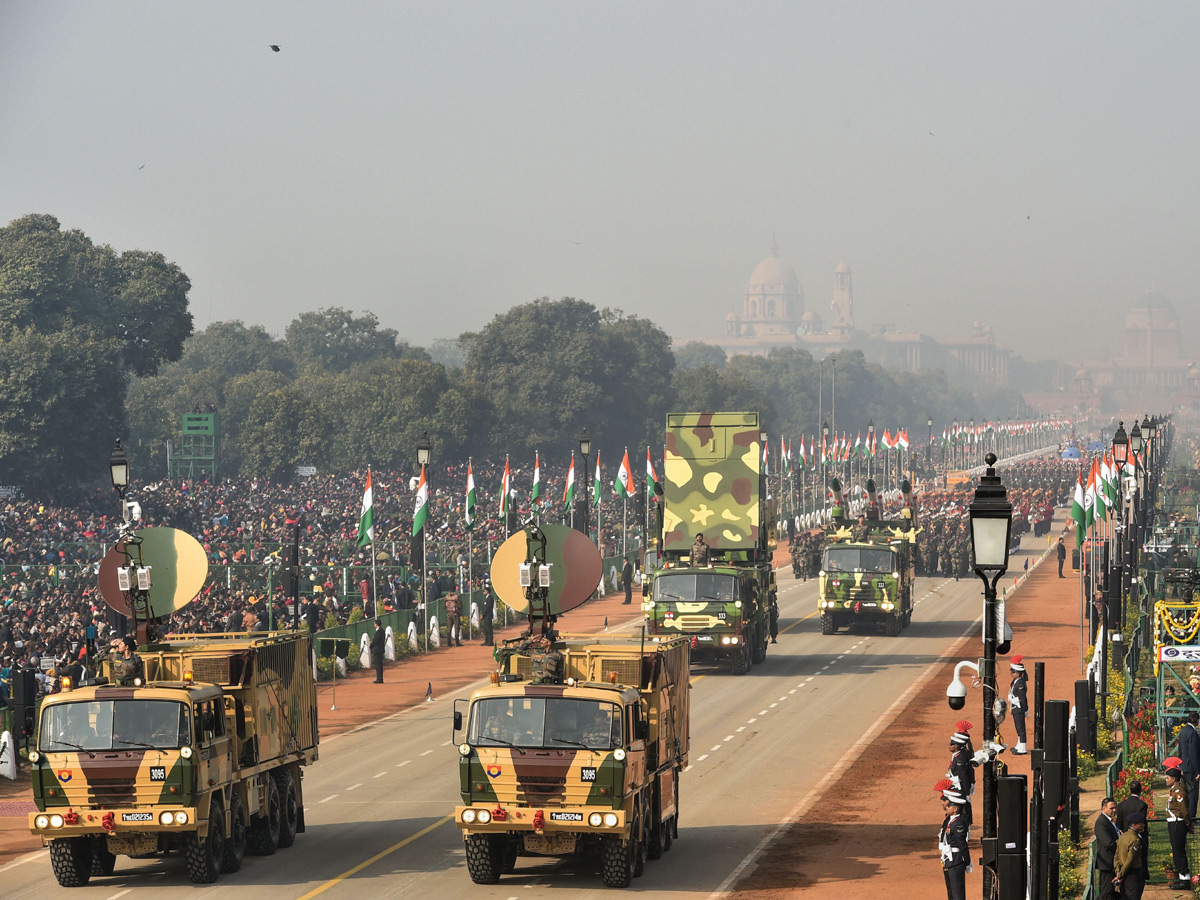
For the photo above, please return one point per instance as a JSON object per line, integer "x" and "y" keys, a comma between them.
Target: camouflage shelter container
{"x": 204, "y": 757}
{"x": 593, "y": 762}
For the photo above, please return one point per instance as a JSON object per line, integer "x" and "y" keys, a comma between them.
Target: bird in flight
{"x": 142, "y": 166}
{"x": 274, "y": 47}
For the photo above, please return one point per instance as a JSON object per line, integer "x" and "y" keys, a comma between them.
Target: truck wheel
{"x": 828, "y": 625}
{"x": 484, "y": 852}
{"x": 741, "y": 660}
{"x": 71, "y": 859}
{"x": 618, "y": 862}
{"x": 235, "y": 841}
{"x": 668, "y": 834}
{"x": 289, "y": 806}
{"x": 656, "y": 846}
{"x": 892, "y": 626}
{"x": 262, "y": 838}
{"x": 204, "y": 856}
{"x": 103, "y": 862}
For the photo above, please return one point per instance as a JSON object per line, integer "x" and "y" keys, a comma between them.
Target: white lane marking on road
{"x": 20, "y": 862}
{"x": 752, "y": 721}
{"x": 715, "y": 749}
{"x": 741, "y": 728}
{"x": 793, "y": 690}
{"x": 354, "y": 786}
{"x": 702, "y": 758}
{"x": 120, "y": 894}
{"x": 327, "y": 799}
{"x": 405, "y": 763}
{"x": 427, "y": 752}
{"x": 379, "y": 774}
{"x": 728, "y": 737}
{"x": 773, "y": 705}
{"x": 784, "y": 697}
{"x": 763, "y": 712}
{"x": 884, "y": 721}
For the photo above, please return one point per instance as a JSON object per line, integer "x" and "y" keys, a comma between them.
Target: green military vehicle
{"x": 202, "y": 757}
{"x": 867, "y": 577}
{"x": 719, "y": 598}
{"x": 590, "y": 763}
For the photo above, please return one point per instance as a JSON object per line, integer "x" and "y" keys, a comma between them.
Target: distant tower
{"x": 843, "y": 301}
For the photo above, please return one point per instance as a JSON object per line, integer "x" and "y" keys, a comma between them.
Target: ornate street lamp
{"x": 991, "y": 535}
{"x": 118, "y": 469}
{"x": 585, "y": 450}
{"x": 871, "y": 448}
{"x": 1120, "y": 445}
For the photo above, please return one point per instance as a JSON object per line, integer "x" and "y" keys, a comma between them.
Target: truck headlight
{"x": 725, "y": 640}
{"x": 619, "y": 754}
{"x": 484, "y": 817}
{"x": 44, "y": 821}
{"x": 595, "y": 819}
{"x": 181, "y": 818}
{"x": 610, "y": 820}
{"x": 733, "y": 640}
{"x": 737, "y": 604}
{"x": 468, "y": 816}
{"x": 464, "y": 749}
{"x": 185, "y": 752}
{"x": 56, "y": 821}
{"x": 34, "y": 756}
{"x": 165, "y": 818}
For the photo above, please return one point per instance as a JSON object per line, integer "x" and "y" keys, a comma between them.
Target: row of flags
{"x": 1094, "y": 501}
{"x": 832, "y": 452}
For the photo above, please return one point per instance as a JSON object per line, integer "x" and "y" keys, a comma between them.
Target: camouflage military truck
{"x": 203, "y": 757}
{"x": 713, "y": 488}
{"x": 592, "y": 763}
{"x": 869, "y": 579}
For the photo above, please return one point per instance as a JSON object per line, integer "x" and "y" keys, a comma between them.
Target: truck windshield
{"x": 115, "y": 725}
{"x": 544, "y": 722}
{"x": 695, "y": 587}
{"x": 858, "y": 559}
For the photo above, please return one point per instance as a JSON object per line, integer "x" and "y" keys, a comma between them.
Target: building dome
{"x": 773, "y": 276}
{"x": 1083, "y": 373}
{"x": 842, "y": 269}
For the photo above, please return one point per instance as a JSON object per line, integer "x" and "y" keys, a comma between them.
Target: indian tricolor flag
{"x": 803, "y": 457}
{"x": 1089, "y": 496}
{"x": 537, "y": 479}
{"x": 472, "y": 498}
{"x": 625, "y": 477}
{"x": 651, "y": 478}
{"x": 1078, "y": 514}
{"x": 505, "y": 500}
{"x": 596, "y": 483}
{"x": 366, "y": 519}
{"x": 569, "y": 491}
{"x": 421, "y": 510}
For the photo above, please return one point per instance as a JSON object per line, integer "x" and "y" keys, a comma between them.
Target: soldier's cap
{"x": 954, "y": 797}
{"x": 944, "y": 784}
{"x": 1135, "y": 819}
{"x": 1174, "y": 772}
{"x": 961, "y": 735}
{"x": 1172, "y": 762}
{"x": 1014, "y": 664}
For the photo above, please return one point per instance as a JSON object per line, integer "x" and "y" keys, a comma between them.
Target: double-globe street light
{"x": 991, "y": 536}
{"x": 585, "y": 450}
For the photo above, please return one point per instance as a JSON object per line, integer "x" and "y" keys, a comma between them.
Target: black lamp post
{"x": 1120, "y": 449}
{"x": 118, "y": 471}
{"x": 991, "y": 533}
{"x": 929, "y": 445}
{"x": 871, "y": 448}
{"x": 824, "y": 462}
{"x": 954, "y": 446}
{"x": 585, "y": 450}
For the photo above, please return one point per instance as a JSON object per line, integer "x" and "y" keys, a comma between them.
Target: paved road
{"x": 377, "y": 801}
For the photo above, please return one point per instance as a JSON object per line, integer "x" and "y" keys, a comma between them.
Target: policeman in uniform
{"x": 128, "y": 665}
{"x": 1179, "y": 825}
{"x": 962, "y": 770}
{"x": 952, "y": 845}
{"x": 1018, "y": 701}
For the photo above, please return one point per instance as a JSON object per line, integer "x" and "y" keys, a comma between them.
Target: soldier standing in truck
{"x": 699, "y": 556}
{"x": 128, "y": 665}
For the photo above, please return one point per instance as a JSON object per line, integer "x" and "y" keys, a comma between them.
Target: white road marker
{"x": 741, "y": 728}
{"x": 427, "y": 752}
{"x": 752, "y": 721}
{"x": 763, "y": 712}
{"x": 702, "y": 758}
{"x": 120, "y": 894}
{"x": 354, "y": 786}
{"x": 327, "y": 799}
{"x": 379, "y": 774}
{"x": 728, "y": 737}
{"x": 403, "y": 764}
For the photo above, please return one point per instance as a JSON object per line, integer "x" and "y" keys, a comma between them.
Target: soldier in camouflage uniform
{"x": 128, "y": 665}
{"x": 699, "y": 555}
{"x": 545, "y": 663}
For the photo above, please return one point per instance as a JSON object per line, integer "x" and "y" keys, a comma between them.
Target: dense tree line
{"x": 96, "y": 344}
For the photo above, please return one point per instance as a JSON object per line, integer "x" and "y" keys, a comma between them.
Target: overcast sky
{"x": 1032, "y": 165}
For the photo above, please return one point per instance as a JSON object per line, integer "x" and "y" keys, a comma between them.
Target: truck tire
{"x": 657, "y": 844}
{"x": 639, "y": 845}
{"x": 828, "y": 625}
{"x": 512, "y": 848}
{"x": 741, "y": 660}
{"x": 204, "y": 856}
{"x": 618, "y": 861}
{"x": 484, "y": 857}
{"x": 289, "y": 806}
{"x": 262, "y": 838}
{"x": 892, "y": 626}
{"x": 103, "y": 862}
{"x": 668, "y": 834}
{"x": 235, "y": 841}
{"x": 71, "y": 859}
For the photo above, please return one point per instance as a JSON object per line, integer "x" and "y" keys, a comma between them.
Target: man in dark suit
{"x": 627, "y": 581}
{"x": 1189, "y": 752}
{"x": 1106, "y": 847}
{"x": 378, "y": 640}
